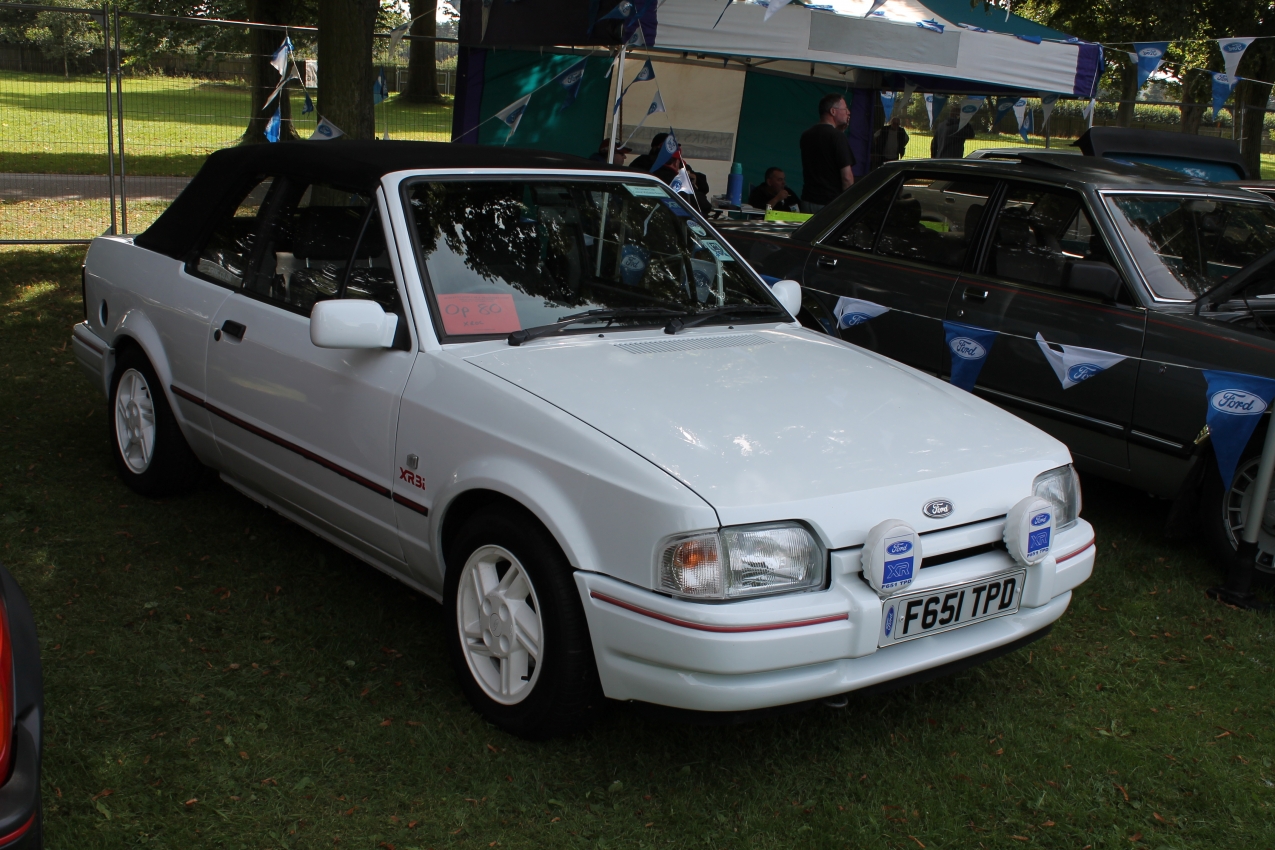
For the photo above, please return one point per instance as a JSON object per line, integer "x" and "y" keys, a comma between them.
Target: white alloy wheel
{"x": 500, "y": 624}
{"x": 135, "y": 421}
{"x": 1235, "y": 508}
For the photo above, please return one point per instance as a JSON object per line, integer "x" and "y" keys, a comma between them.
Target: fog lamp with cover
{"x": 743, "y": 561}
{"x": 1061, "y": 488}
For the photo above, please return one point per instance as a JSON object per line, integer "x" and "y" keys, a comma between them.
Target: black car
{"x": 1081, "y": 293}
{"x": 21, "y": 721}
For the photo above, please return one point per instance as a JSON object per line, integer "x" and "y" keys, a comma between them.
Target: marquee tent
{"x": 737, "y": 87}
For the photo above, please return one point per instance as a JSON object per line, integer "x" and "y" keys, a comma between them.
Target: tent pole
{"x": 615, "y": 111}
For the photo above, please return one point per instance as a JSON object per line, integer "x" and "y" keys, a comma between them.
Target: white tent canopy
{"x": 890, "y": 40}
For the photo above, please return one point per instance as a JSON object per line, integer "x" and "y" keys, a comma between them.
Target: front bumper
{"x": 785, "y": 649}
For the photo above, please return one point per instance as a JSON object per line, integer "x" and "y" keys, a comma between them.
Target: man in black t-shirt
{"x": 826, "y": 159}
{"x": 774, "y": 193}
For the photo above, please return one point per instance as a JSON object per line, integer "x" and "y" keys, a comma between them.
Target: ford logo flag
{"x": 853, "y": 311}
{"x": 1074, "y": 365}
{"x": 969, "y": 347}
{"x": 1150, "y": 55}
{"x": 1236, "y": 403}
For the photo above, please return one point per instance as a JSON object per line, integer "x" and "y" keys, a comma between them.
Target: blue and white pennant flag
{"x": 851, "y": 312}
{"x": 969, "y": 347}
{"x": 512, "y": 114}
{"x": 571, "y": 79}
{"x": 1075, "y": 364}
{"x": 1236, "y": 404}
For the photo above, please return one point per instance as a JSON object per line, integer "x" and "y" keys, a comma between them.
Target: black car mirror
{"x": 1090, "y": 277}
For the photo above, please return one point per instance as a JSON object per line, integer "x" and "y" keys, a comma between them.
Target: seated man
{"x": 774, "y": 193}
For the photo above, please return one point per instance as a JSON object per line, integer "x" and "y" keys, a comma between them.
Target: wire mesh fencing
{"x": 1068, "y": 121}
{"x": 102, "y": 141}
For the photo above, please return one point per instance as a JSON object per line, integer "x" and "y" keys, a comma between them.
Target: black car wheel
{"x": 517, "y": 633}
{"x": 151, "y": 453}
{"x": 1224, "y": 510}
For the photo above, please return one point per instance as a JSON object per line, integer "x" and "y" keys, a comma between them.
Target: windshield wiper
{"x": 702, "y": 316}
{"x": 605, "y": 313}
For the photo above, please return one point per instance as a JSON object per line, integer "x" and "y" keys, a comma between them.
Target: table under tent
{"x": 736, "y": 87}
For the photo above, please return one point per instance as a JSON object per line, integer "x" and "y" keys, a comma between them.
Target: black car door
{"x": 888, "y": 270}
{"x": 1064, "y": 360}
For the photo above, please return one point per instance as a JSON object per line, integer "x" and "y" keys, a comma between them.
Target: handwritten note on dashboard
{"x": 473, "y": 313}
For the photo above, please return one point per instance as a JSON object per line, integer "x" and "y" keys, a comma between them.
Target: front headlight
{"x": 1061, "y": 487}
{"x": 743, "y": 561}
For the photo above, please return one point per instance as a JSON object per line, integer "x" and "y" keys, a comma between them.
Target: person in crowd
{"x": 600, "y": 155}
{"x": 889, "y": 143}
{"x": 774, "y": 193}
{"x": 670, "y": 169}
{"x": 949, "y": 139}
{"x": 826, "y": 160}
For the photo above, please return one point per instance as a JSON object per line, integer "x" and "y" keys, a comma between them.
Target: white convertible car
{"x": 546, "y": 393}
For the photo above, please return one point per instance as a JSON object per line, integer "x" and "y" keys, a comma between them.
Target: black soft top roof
{"x": 228, "y": 174}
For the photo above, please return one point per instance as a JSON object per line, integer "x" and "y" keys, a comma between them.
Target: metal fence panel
{"x": 74, "y": 164}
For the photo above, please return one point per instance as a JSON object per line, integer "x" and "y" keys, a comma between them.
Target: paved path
{"x": 76, "y": 187}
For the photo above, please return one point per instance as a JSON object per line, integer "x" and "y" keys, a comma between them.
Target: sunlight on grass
{"x": 27, "y": 293}
{"x": 49, "y": 117}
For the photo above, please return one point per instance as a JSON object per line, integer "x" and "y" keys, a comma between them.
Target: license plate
{"x": 942, "y": 609}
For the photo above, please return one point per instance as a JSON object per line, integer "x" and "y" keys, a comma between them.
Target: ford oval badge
{"x": 938, "y": 509}
{"x": 1237, "y": 402}
{"x": 898, "y": 547}
{"x": 967, "y": 349}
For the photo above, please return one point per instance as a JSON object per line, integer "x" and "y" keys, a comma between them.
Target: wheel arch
{"x": 520, "y": 488}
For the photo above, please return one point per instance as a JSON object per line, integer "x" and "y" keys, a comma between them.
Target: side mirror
{"x": 788, "y": 293}
{"x": 351, "y": 323}
{"x": 1090, "y": 277}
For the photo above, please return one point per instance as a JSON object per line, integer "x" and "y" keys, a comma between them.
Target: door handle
{"x": 231, "y": 329}
{"x": 826, "y": 262}
{"x": 974, "y": 294}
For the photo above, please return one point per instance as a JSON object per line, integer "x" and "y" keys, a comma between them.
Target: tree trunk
{"x": 422, "y": 66}
{"x": 345, "y": 65}
{"x": 1251, "y": 97}
{"x": 1128, "y": 95}
{"x": 1193, "y": 102}
{"x": 261, "y": 45}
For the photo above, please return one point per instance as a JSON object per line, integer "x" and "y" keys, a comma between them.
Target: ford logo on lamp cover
{"x": 891, "y": 556}
{"x": 1029, "y": 530}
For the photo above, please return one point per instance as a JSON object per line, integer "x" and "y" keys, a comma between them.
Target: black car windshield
{"x": 509, "y": 254}
{"x": 1186, "y": 245}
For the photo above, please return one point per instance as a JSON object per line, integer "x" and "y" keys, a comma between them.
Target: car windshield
{"x": 1187, "y": 245}
{"x": 506, "y": 255}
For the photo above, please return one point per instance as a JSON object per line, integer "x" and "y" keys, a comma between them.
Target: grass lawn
{"x": 51, "y": 124}
{"x": 217, "y": 677}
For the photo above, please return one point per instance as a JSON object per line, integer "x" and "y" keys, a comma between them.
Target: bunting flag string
{"x": 934, "y": 104}
{"x": 1149, "y": 55}
{"x": 1047, "y": 102}
{"x": 511, "y": 115}
{"x": 1232, "y": 51}
{"x": 667, "y": 150}
{"x": 969, "y": 108}
{"x": 1223, "y": 85}
{"x": 657, "y": 105}
{"x": 774, "y": 6}
{"x": 571, "y": 79}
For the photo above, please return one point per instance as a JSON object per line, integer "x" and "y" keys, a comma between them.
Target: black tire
{"x": 167, "y": 465}
{"x": 1220, "y": 510}
{"x": 562, "y": 695}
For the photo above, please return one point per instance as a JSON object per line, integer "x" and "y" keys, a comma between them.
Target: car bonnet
{"x": 770, "y": 423}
